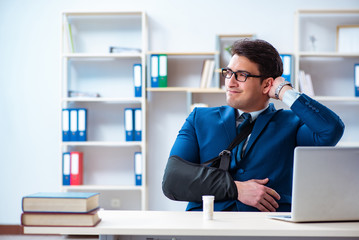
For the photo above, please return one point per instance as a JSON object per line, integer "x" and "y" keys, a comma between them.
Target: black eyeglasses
{"x": 240, "y": 76}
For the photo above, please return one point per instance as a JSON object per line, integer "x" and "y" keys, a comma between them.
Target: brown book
{"x": 71, "y": 202}
{"x": 46, "y": 219}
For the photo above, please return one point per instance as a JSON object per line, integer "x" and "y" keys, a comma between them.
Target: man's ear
{"x": 267, "y": 85}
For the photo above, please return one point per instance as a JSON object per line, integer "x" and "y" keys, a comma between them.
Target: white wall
{"x": 30, "y": 73}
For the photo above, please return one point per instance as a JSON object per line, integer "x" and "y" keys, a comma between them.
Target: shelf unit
{"x": 184, "y": 74}
{"x": 89, "y": 66}
{"x": 332, "y": 72}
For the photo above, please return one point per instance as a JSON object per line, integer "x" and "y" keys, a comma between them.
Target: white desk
{"x": 164, "y": 223}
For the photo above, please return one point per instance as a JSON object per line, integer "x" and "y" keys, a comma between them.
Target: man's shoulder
{"x": 212, "y": 109}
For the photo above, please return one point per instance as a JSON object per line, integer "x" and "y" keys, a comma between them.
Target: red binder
{"x": 76, "y": 175}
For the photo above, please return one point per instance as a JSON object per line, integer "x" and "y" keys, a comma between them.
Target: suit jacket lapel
{"x": 262, "y": 121}
{"x": 228, "y": 119}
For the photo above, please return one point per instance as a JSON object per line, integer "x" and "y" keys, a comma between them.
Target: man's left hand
{"x": 275, "y": 84}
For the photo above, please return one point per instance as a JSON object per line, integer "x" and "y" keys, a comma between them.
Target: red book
{"x": 76, "y": 174}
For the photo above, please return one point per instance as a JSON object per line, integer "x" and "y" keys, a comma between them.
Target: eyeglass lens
{"x": 240, "y": 76}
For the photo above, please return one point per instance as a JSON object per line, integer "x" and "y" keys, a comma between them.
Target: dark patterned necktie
{"x": 244, "y": 120}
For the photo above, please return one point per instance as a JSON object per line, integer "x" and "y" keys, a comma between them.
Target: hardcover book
{"x": 89, "y": 219}
{"x": 71, "y": 202}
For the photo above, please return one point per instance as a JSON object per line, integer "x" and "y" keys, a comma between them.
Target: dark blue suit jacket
{"x": 269, "y": 153}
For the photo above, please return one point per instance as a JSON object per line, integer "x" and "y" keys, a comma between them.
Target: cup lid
{"x": 207, "y": 197}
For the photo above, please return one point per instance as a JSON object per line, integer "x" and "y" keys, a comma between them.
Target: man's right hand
{"x": 254, "y": 193}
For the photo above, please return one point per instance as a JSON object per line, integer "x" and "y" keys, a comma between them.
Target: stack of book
{"x": 70, "y": 209}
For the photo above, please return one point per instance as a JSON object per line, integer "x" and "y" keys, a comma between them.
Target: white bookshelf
{"x": 90, "y": 67}
{"x": 332, "y": 72}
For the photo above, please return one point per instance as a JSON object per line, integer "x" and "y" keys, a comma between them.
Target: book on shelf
{"x": 66, "y": 202}
{"x": 305, "y": 83}
{"x": 204, "y": 74}
{"x": 356, "y": 79}
{"x": 70, "y": 40}
{"x": 45, "y": 219}
{"x": 207, "y": 73}
{"x": 210, "y": 74}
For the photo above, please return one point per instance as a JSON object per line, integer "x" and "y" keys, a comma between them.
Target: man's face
{"x": 247, "y": 96}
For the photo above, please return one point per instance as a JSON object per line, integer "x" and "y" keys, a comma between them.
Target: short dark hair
{"x": 262, "y": 53}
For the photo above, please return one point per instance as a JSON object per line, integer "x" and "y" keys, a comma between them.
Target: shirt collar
{"x": 255, "y": 114}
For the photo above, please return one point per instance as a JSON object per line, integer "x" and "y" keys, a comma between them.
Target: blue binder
{"x": 82, "y": 124}
{"x": 356, "y": 79}
{"x": 66, "y": 163}
{"x": 287, "y": 66}
{"x": 154, "y": 71}
{"x": 73, "y": 124}
{"x": 129, "y": 124}
{"x": 137, "y": 78}
{"x": 138, "y": 124}
{"x": 65, "y": 125}
{"x": 138, "y": 168}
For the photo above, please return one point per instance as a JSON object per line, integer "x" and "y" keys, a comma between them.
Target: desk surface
{"x": 192, "y": 224}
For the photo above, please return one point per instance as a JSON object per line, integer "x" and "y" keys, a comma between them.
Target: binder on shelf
{"x": 65, "y": 125}
{"x": 82, "y": 124}
{"x": 76, "y": 171}
{"x": 138, "y": 124}
{"x": 137, "y": 78}
{"x": 162, "y": 70}
{"x": 138, "y": 168}
{"x": 154, "y": 71}
{"x": 66, "y": 161}
{"x": 287, "y": 67}
{"x": 356, "y": 79}
{"x": 129, "y": 124}
{"x": 73, "y": 125}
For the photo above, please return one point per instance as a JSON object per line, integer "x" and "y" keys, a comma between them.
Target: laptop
{"x": 325, "y": 185}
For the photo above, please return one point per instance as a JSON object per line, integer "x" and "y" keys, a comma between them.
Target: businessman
{"x": 262, "y": 168}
